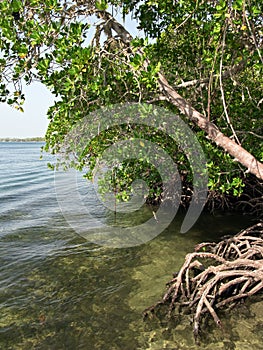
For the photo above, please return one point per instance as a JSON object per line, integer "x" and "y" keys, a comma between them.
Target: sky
{"x": 33, "y": 121}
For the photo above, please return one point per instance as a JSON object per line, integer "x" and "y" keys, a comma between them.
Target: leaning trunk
{"x": 245, "y": 158}
{"x": 238, "y": 152}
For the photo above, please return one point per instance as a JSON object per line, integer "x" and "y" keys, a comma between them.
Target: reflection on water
{"x": 59, "y": 291}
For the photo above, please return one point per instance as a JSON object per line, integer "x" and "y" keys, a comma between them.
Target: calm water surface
{"x": 58, "y": 291}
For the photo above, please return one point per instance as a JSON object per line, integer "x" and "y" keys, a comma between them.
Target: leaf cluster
{"x": 210, "y": 51}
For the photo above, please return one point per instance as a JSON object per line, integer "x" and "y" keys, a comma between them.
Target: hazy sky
{"x": 33, "y": 122}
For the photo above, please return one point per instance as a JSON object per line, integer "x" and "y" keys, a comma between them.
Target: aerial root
{"x": 216, "y": 275}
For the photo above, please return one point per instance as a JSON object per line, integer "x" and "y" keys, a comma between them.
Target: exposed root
{"x": 216, "y": 275}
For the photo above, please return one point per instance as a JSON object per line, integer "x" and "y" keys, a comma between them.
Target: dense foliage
{"x": 209, "y": 51}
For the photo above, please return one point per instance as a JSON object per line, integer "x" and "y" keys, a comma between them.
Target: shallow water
{"x": 59, "y": 291}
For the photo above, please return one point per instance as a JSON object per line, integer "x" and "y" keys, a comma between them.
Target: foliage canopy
{"x": 210, "y": 52}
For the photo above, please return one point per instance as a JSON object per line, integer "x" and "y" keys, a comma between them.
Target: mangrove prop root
{"x": 215, "y": 276}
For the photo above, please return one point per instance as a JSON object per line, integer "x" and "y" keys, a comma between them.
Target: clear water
{"x": 58, "y": 291}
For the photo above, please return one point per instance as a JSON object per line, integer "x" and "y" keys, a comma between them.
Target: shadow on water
{"x": 58, "y": 291}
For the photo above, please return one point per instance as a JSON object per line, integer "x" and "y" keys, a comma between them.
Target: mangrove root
{"x": 216, "y": 275}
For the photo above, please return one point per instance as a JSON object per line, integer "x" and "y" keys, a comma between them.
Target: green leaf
{"x": 16, "y": 5}
{"x": 238, "y": 4}
{"x": 101, "y": 5}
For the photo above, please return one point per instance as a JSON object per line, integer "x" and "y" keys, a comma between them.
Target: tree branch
{"x": 238, "y": 152}
{"x": 228, "y": 73}
{"x": 213, "y": 133}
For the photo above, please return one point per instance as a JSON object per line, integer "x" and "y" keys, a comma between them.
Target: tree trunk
{"x": 238, "y": 152}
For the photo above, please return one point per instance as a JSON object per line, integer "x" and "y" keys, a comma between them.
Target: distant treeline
{"x": 28, "y": 139}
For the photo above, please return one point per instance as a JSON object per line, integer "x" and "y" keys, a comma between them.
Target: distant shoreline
{"x": 27, "y": 139}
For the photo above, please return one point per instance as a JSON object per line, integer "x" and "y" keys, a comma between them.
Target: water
{"x": 59, "y": 291}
